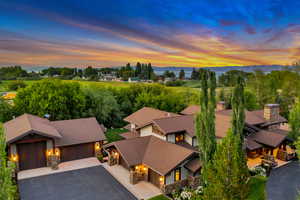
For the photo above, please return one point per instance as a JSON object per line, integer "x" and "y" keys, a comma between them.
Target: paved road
{"x": 93, "y": 183}
{"x": 284, "y": 182}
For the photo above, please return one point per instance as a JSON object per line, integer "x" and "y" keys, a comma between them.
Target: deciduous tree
{"x": 7, "y": 186}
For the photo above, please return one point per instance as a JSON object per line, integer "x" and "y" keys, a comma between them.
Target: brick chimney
{"x": 271, "y": 112}
{"x": 221, "y": 106}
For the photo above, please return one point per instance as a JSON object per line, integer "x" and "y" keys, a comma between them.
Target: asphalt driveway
{"x": 284, "y": 182}
{"x": 93, "y": 183}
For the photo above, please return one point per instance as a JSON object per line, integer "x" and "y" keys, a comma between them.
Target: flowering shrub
{"x": 188, "y": 194}
{"x": 259, "y": 170}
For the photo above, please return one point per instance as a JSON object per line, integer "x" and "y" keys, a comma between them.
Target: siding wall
{"x": 184, "y": 174}
{"x": 146, "y": 131}
{"x": 171, "y": 138}
{"x": 188, "y": 139}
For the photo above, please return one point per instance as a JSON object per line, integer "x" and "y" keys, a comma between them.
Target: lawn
{"x": 257, "y": 188}
{"x": 113, "y": 135}
{"x": 159, "y": 197}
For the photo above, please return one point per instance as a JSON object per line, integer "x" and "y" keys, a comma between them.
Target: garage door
{"x": 153, "y": 177}
{"x": 76, "y": 152}
{"x": 32, "y": 155}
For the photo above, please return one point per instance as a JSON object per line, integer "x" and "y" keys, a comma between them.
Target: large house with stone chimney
{"x": 35, "y": 142}
{"x": 161, "y": 147}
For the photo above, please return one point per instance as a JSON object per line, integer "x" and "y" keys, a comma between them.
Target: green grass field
{"x": 159, "y": 197}
{"x": 3, "y": 85}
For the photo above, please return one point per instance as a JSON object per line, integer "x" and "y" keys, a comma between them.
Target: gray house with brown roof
{"x": 35, "y": 142}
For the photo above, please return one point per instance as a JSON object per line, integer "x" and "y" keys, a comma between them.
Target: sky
{"x": 186, "y": 33}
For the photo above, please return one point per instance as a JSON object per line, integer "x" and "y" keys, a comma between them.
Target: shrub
{"x": 15, "y": 85}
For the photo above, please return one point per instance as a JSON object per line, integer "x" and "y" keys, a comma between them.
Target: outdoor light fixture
{"x": 97, "y": 146}
{"x": 14, "y": 158}
{"x": 145, "y": 168}
{"x": 57, "y": 152}
{"x": 136, "y": 167}
{"x": 161, "y": 179}
{"x": 116, "y": 154}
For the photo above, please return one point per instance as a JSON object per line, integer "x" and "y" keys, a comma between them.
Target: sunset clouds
{"x": 163, "y": 32}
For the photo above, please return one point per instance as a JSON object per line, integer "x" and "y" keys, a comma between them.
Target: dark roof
{"x": 78, "y": 131}
{"x": 159, "y": 155}
{"x": 270, "y": 138}
{"x": 129, "y": 135}
{"x": 252, "y": 145}
{"x": 65, "y": 132}
{"x": 193, "y": 165}
{"x": 146, "y": 115}
{"x": 25, "y": 124}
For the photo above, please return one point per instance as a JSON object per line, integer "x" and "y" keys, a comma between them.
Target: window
{"x": 179, "y": 137}
{"x": 177, "y": 176}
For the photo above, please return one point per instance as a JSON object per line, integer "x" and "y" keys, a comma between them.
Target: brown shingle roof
{"x": 191, "y": 110}
{"x": 159, "y": 155}
{"x": 186, "y": 123}
{"x": 193, "y": 165}
{"x": 78, "y": 131}
{"x": 146, "y": 115}
{"x": 269, "y": 138}
{"x": 25, "y": 124}
{"x": 252, "y": 145}
{"x": 129, "y": 135}
{"x": 65, "y": 132}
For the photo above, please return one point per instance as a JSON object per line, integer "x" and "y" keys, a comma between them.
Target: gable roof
{"x": 255, "y": 117}
{"x": 159, "y": 155}
{"x": 271, "y": 137}
{"x": 65, "y": 132}
{"x": 78, "y": 131}
{"x": 25, "y": 124}
{"x": 146, "y": 115}
{"x": 186, "y": 123}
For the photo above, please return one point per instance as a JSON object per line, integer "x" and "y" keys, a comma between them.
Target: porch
{"x": 278, "y": 156}
{"x": 142, "y": 189}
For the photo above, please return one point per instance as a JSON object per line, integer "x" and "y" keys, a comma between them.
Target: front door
{"x": 153, "y": 177}
{"x": 32, "y": 155}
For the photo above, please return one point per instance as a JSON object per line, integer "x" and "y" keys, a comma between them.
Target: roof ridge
{"x": 172, "y": 117}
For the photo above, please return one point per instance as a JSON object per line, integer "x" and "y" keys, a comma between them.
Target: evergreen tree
{"x": 181, "y": 74}
{"x": 195, "y": 75}
{"x": 205, "y": 120}
{"x": 138, "y": 69}
{"x": 294, "y": 121}
{"x": 238, "y": 112}
{"x": 7, "y": 189}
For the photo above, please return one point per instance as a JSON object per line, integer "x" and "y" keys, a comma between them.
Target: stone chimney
{"x": 271, "y": 112}
{"x": 221, "y": 106}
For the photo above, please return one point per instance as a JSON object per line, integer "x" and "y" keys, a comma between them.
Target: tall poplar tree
{"x": 238, "y": 108}
{"x": 205, "y": 119}
{"x": 7, "y": 187}
{"x": 294, "y": 121}
{"x": 227, "y": 174}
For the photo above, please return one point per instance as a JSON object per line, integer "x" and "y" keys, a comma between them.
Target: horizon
{"x": 164, "y": 33}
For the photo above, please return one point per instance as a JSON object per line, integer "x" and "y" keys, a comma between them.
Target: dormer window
{"x": 179, "y": 137}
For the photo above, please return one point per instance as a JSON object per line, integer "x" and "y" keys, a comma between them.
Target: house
{"x": 264, "y": 130}
{"x": 150, "y": 157}
{"x": 159, "y": 162}
{"x": 35, "y": 142}
{"x": 144, "y": 116}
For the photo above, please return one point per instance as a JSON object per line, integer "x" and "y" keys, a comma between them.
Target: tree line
{"x": 69, "y": 100}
